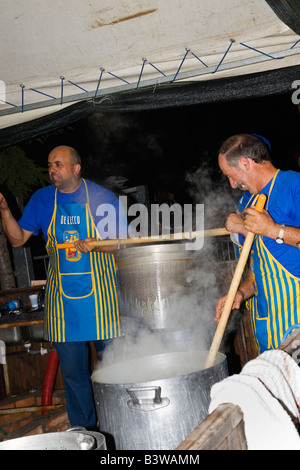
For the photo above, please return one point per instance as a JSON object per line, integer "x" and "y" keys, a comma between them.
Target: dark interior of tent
{"x": 158, "y": 138}
{"x": 156, "y": 135}
{"x": 155, "y": 143}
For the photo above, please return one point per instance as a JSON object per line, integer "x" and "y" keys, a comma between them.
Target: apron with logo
{"x": 81, "y": 296}
{"x": 275, "y": 306}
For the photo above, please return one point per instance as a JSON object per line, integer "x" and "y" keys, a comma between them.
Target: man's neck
{"x": 72, "y": 188}
{"x": 266, "y": 175}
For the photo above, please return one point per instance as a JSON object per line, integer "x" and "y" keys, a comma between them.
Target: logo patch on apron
{"x": 71, "y": 253}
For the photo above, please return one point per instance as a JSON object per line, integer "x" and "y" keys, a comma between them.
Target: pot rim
{"x": 221, "y": 358}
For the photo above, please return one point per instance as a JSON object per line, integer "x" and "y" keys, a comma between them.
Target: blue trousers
{"x": 74, "y": 364}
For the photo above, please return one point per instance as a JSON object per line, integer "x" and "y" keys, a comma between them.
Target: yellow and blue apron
{"x": 275, "y": 306}
{"x": 81, "y": 295}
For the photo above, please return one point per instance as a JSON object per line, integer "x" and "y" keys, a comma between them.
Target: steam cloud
{"x": 192, "y": 304}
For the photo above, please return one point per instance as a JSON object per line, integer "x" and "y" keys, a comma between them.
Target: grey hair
{"x": 76, "y": 159}
{"x": 244, "y": 145}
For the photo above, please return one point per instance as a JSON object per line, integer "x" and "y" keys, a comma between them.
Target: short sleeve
{"x": 30, "y": 217}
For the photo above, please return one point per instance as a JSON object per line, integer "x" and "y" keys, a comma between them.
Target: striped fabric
{"x": 80, "y": 305}
{"x": 275, "y": 307}
{"x": 275, "y": 311}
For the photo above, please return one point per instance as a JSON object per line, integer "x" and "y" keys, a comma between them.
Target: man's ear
{"x": 77, "y": 169}
{"x": 245, "y": 163}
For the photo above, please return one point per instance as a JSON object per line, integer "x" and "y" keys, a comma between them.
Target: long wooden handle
{"x": 233, "y": 290}
{"x": 214, "y": 232}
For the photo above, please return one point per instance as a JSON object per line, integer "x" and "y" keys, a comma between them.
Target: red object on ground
{"x": 49, "y": 379}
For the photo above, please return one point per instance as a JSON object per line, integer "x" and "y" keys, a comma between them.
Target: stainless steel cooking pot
{"x": 155, "y": 402}
{"x": 75, "y": 440}
{"x": 151, "y": 279}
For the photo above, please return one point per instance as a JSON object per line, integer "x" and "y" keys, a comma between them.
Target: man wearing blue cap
{"x": 271, "y": 287}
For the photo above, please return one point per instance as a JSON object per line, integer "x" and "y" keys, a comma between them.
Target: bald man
{"x": 81, "y": 300}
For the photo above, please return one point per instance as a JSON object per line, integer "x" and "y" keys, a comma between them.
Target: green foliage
{"x": 19, "y": 174}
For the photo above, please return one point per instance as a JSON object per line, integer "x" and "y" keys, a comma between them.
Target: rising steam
{"x": 193, "y": 301}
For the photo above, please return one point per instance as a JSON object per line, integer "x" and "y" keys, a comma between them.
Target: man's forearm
{"x": 247, "y": 287}
{"x": 15, "y": 234}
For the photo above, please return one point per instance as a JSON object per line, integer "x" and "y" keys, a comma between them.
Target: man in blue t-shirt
{"x": 81, "y": 298}
{"x": 271, "y": 287}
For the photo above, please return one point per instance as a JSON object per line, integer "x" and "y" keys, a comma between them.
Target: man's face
{"x": 64, "y": 175}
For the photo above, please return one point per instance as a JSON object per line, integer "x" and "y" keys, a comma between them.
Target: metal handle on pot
{"x": 146, "y": 404}
{"x": 99, "y": 439}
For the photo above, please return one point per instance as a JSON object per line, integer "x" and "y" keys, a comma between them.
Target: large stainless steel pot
{"x": 75, "y": 440}
{"x": 151, "y": 279}
{"x": 155, "y": 402}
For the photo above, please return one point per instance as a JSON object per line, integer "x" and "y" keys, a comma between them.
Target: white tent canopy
{"x": 54, "y": 54}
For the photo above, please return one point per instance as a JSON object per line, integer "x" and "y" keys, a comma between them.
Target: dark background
{"x": 158, "y": 148}
{"x": 174, "y": 149}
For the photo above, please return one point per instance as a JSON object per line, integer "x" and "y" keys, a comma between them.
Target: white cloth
{"x": 281, "y": 375}
{"x": 267, "y": 390}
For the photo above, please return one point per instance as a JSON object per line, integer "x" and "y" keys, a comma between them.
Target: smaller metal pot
{"x": 57, "y": 441}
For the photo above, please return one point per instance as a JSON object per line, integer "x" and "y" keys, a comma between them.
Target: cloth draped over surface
{"x": 268, "y": 392}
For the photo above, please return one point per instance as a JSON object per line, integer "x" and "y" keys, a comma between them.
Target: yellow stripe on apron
{"x": 81, "y": 296}
{"x": 275, "y": 306}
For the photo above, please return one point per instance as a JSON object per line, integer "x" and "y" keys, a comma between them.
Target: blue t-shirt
{"x": 284, "y": 207}
{"x": 108, "y": 215}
